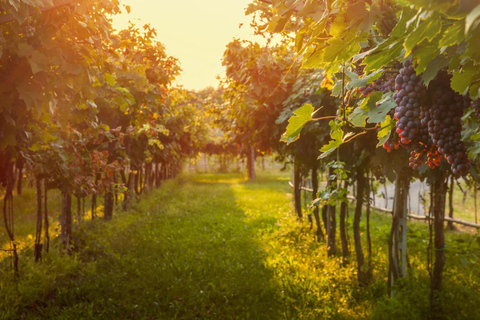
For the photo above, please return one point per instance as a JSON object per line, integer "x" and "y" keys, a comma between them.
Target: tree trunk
{"x": 139, "y": 181}
{"x": 79, "y": 208}
{"x": 38, "y": 235}
{"x": 439, "y": 199}
{"x": 360, "y": 186}
{"x": 46, "y": 241}
{"x": 332, "y": 228}
{"x": 108, "y": 207}
{"x": 148, "y": 172}
{"x": 94, "y": 205}
{"x": 20, "y": 164}
{"x": 316, "y": 210}
{"x": 297, "y": 191}
{"x": 163, "y": 176}
{"x": 475, "y": 201}
{"x": 331, "y": 221}
{"x": 369, "y": 236}
{"x": 251, "y": 163}
{"x": 450, "y": 204}
{"x": 130, "y": 192}
{"x": 324, "y": 218}
{"x": 343, "y": 229}
{"x": 157, "y": 175}
{"x": 397, "y": 244}
{"x": 66, "y": 220}
{"x": 8, "y": 208}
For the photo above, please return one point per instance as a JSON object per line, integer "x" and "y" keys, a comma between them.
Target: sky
{"x": 194, "y": 31}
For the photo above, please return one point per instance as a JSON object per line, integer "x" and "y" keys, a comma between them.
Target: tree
{"x": 258, "y": 80}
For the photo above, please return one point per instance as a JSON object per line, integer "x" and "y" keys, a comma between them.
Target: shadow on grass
{"x": 186, "y": 252}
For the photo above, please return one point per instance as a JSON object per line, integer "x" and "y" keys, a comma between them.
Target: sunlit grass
{"x": 221, "y": 247}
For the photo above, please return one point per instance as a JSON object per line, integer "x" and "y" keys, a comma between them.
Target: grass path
{"x": 218, "y": 247}
{"x": 190, "y": 250}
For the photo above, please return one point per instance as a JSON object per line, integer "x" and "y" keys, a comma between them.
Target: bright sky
{"x": 194, "y": 31}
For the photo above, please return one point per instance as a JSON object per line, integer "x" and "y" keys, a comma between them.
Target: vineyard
{"x": 124, "y": 195}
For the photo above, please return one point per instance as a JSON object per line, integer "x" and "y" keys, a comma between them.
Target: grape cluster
{"x": 29, "y": 31}
{"x": 422, "y": 151}
{"x": 445, "y": 124}
{"x": 392, "y": 143}
{"x": 385, "y": 83}
{"x": 409, "y": 95}
{"x": 423, "y": 145}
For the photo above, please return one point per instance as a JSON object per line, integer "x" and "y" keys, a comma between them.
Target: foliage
{"x": 352, "y": 38}
{"x": 258, "y": 80}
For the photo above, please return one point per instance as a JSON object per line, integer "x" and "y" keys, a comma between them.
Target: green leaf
{"x": 462, "y": 79}
{"x": 299, "y": 41}
{"x": 341, "y": 50}
{"x": 433, "y": 67}
{"x": 358, "y": 117}
{"x": 473, "y": 46}
{"x": 401, "y": 27}
{"x": 453, "y": 35}
{"x": 471, "y": 17}
{"x": 313, "y": 60}
{"x": 110, "y": 79}
{"x": 372, "y": 109}
{"x": 424, "y": 55}
{"x": 385, "y": 129}
{"x": 380, "y": 108}
{"x": 361, "y": 82}
{"x": 277, "y": 24}
{"x": 338, "y": 27}
{"x": 38, "y": 62}
{"x": 337, "y": 140}
{"x": 427, "y": 29}
{"x": 300, "y": 117}
{"x": 383, "y": 54}
{"x": 474, "y": 91}
{"x": 25, "y": 50}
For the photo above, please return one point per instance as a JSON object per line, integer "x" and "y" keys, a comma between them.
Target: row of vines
{"x": 88, "y": 110}
{"x": 362, "y": 91}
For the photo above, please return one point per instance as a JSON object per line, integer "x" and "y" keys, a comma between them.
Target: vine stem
{"x": 326, "y": 117}
{"x": 353, "y": 137}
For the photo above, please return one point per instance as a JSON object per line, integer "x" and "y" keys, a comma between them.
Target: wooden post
{"x": 397, "y": 248}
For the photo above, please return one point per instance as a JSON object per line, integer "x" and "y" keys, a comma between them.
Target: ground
{"x": 220, "y": 247}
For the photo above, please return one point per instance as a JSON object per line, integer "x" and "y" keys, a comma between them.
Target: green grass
{"x": 464, "y": 204}
{"x": 220, "y": 247}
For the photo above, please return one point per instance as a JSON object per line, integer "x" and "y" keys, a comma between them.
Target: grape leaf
{"x": 296, "y": 122}
{"x": 424, "y": 55}
{"x": 453, "y": 35}
{"x": 358, "y": 117}
{"x": 373, "y": 109}
{"x": 380, "y": 108}
{"x": 337, "y": 140}
{"x": 110, "y": 79}
{"x": 462, "y": 79}
{"x": 383, "y": 54}
{"x": 357, "y": 82}
{"x": 433, "y": 67}
{"x": 428, "y": 29}
{"x": 384, "y": 131}
{"x": 314, "y": 60}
